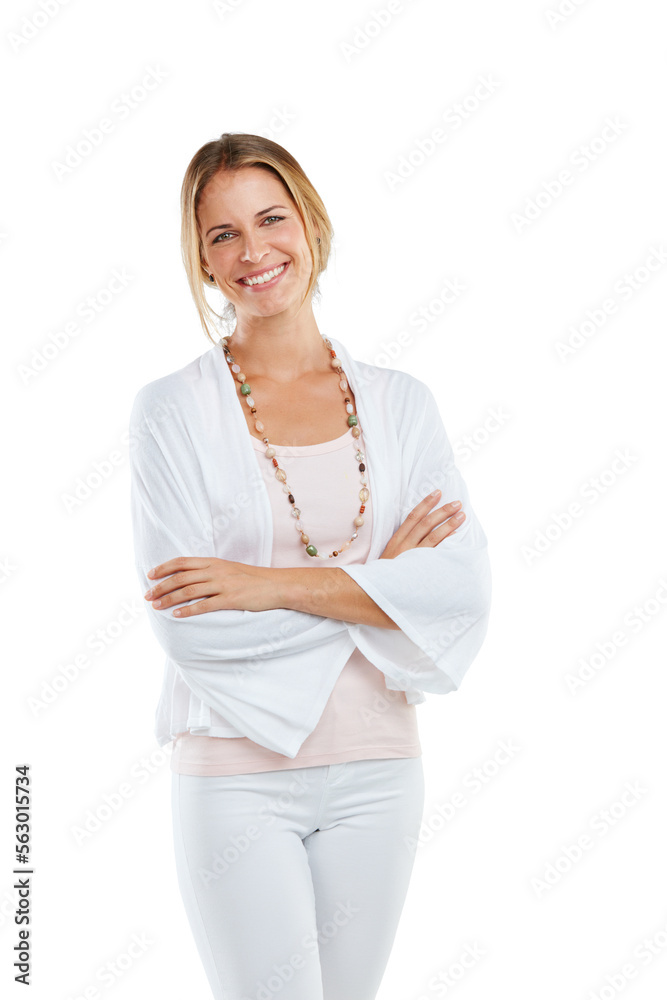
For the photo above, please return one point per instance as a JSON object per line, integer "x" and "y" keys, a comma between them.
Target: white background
{"x": 354, "y": 99}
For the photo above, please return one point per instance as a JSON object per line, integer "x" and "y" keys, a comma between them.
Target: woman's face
{"x": 249, "y": 226}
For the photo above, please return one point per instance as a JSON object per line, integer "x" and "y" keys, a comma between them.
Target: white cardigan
{"x": 196, "y": 490}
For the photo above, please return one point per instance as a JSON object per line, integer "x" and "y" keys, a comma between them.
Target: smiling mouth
{"x": 265, "y": 278}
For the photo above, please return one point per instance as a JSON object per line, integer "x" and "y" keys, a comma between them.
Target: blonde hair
{"x": 232, "y": 151}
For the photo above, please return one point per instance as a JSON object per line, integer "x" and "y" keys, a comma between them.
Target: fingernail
{"x": 456, "y": 504}
{"x": 435, "y": 493}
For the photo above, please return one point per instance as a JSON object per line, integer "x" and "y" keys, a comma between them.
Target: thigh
{"x": 361, "y": 861}
{"x": 246, "y": 884}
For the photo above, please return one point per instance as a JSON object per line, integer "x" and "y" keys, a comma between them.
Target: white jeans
{"x": 294, "y": 881}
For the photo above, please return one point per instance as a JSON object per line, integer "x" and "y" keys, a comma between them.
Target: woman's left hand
{"x": 220, "y": 583}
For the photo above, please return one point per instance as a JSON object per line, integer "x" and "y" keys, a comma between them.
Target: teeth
{"x": 261, "y": 278}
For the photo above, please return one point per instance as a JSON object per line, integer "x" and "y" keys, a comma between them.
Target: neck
{"x": 281, "y": 348}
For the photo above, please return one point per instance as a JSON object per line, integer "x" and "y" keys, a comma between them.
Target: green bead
{"x": 245, "y": 389}
{"x": 311, "y": 550}
{"x": 352, "y": 420}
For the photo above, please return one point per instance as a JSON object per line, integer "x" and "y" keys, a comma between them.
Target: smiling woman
{"x": 251, "y": 165}
{"x": 298, "y": 643}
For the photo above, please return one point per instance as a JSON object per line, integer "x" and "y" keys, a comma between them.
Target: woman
{"x": 290, "y": 684}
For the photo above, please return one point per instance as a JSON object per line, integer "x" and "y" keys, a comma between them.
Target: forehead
{"x": 241, "y": 192}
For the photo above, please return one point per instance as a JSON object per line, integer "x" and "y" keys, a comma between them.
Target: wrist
{"x": 297, "y": 590}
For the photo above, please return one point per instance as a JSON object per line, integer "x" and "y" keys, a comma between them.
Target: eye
{"x": 269, "y": 218}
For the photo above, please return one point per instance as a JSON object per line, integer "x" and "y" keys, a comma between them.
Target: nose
{"x": 254, "y": 248}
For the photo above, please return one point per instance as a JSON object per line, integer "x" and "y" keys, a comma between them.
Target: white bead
{"x": 236, "y": 368}
{"x": 349, "y": 407}
{"x": 250, "y": 401}
{"x": 270, "y": 452}
{"x": 259, "y": 426}
{"x": 343, "y": 383}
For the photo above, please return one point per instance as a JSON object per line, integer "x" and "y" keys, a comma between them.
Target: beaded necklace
{"x": 281, "y": 476}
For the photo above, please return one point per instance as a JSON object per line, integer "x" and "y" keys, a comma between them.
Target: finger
{"x": 176, "y": 582}
{"x": 450, "y": 510}
{"x": 445, "y": 530}
{"x": 200, "y": 608}
{"x": 187, "y": 592}
{"x": 174, "y": 565}
{"x": 412, "y": 522}
{"x": 420, "y": 523}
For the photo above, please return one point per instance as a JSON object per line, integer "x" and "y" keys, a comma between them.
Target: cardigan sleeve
{"x": 170, "y": 512}
{"x": 440, "y": 596}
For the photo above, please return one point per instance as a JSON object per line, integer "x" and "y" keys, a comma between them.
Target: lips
{"x": 265, "y": 277}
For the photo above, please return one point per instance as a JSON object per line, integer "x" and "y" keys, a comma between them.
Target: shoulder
{"x": 389, "y": 384}
{"x": 175, "y": 390}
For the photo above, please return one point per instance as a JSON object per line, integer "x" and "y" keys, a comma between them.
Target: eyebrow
{"x": 227, "y": 225}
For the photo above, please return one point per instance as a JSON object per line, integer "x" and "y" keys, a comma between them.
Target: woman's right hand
{"x": 425, "y": 530}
